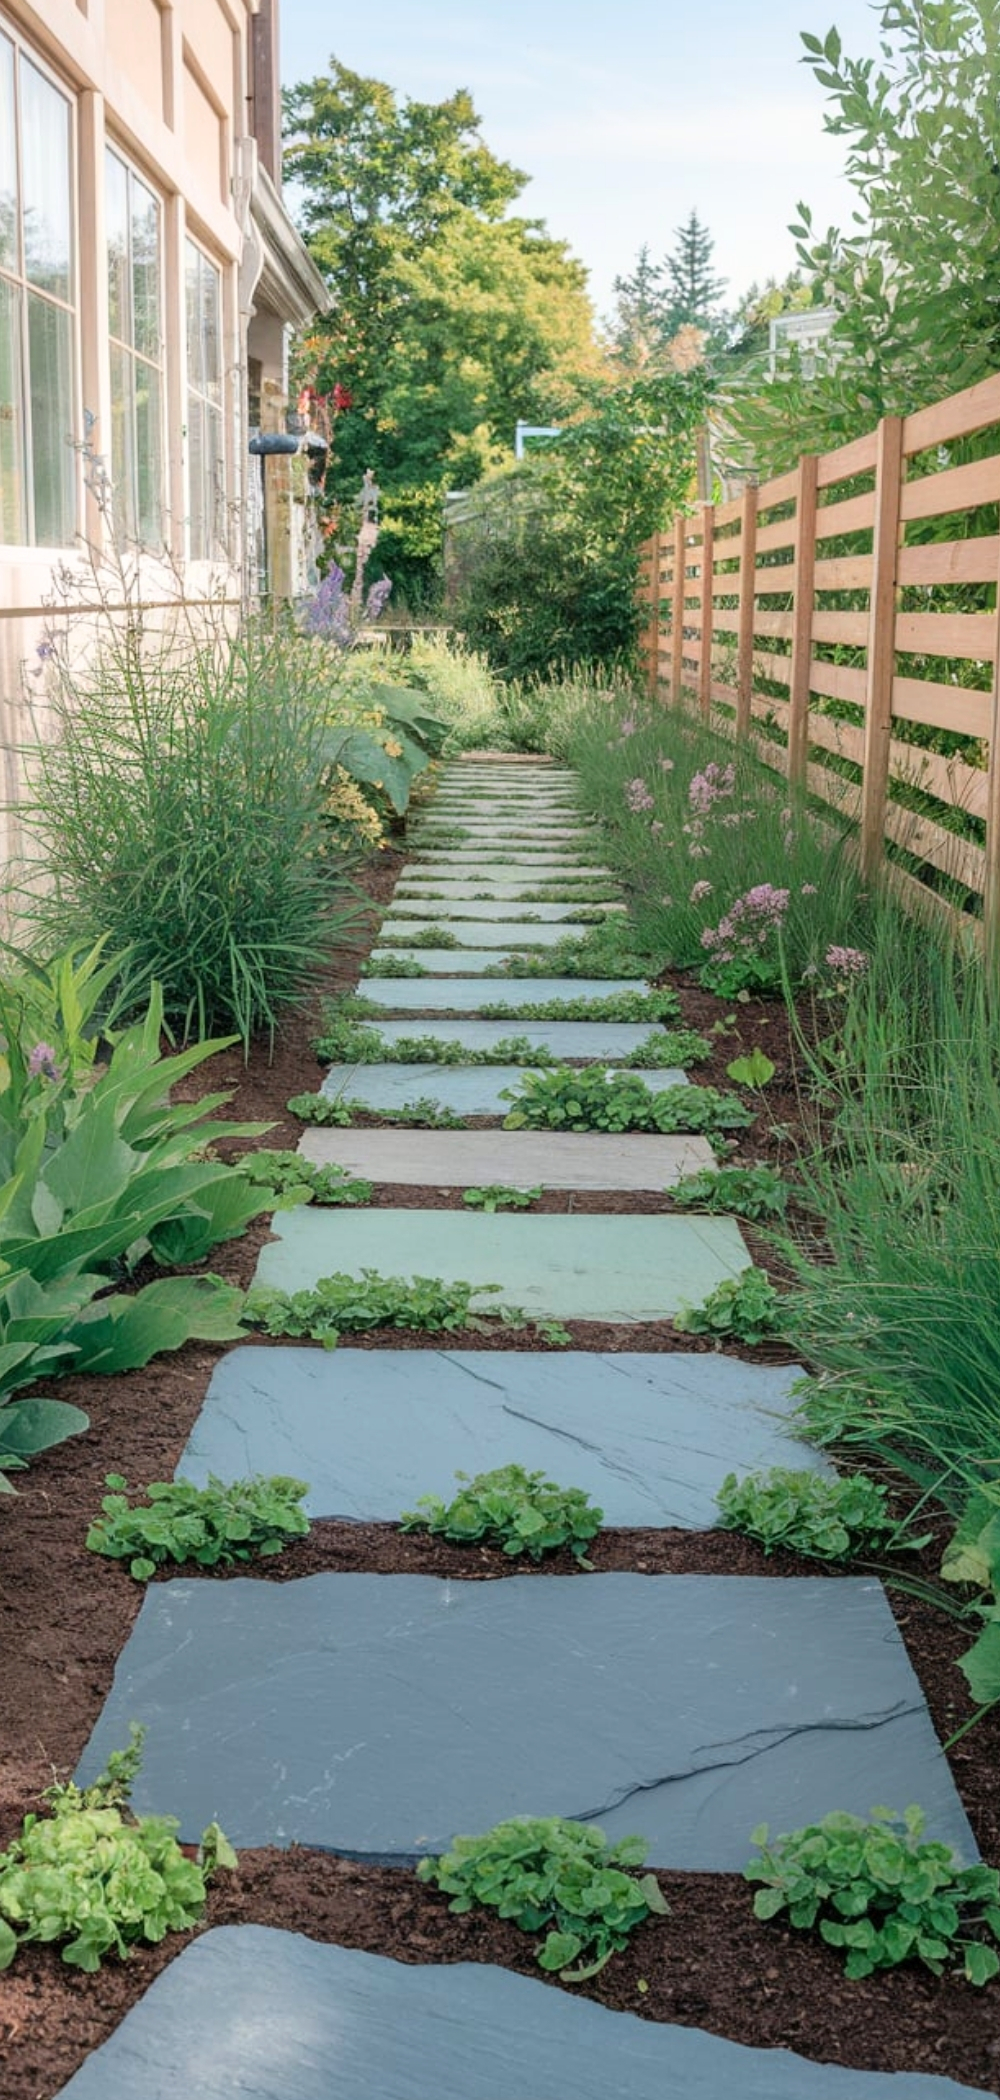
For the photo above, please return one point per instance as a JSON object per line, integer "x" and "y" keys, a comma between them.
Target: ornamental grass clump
{"x": 555, "y": 1877}
{"x": 523, "y": 1513}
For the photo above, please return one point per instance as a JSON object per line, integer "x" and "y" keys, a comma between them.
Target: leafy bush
{"x": 178, "y": 810}
{"x": 556, "y": 1877}
{"x": 881, "y": 1894}
{"x": 743, "y": 1308}
{"x": 616, "y": 1006}
{"x": 97, "y": 1881}
{"x": 427, "y": 1114}
{"x": 343, "y": 1304}
{"x": 599, "y": 1099}
{"x": 212, "y": 1526}
{"x": 743, "y": 1192}
{"x": 298, "y": 1180}
{"x": 807, "y": 1513}
{"x": 497, "y": 1196}
{"x": 522, "y": 1512}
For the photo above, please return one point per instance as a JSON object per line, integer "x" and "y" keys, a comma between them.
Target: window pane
{"x": 48, "y": 249}
{"x": 215, "y": 486}
{"x": 8, "y": 160}
{"x": 13, "y": 522}
{"x": 145, "y": 270}
{"x": 197, "y": 520}
{"x": 116, "y": 195}
{"x": 50, "y": 358}
{"x": 149, "y": 454}
{"x": 192, "y": 300}
{"x": 211, "y": 331}
{"x": 123, "y": 441}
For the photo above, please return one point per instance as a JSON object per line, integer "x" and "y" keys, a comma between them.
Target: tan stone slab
{"x": 513, "y": 1158}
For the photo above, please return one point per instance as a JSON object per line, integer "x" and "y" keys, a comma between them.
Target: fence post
{"x": 747, "y": 608}
{"x": 653, "y": 620}
{"x": 881, "y": 643}
{"x": 804, "y": 592}
{"x": 677, "y": 611}
{"x": 707, "y": 586}
{"x": 991, "y": 886}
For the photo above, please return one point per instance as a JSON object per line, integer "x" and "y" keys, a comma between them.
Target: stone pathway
{"x": 382, "y": 1715}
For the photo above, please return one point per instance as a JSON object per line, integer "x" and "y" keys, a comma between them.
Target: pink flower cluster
{"x": 700, "y": 890}
{"x": 42, "y": 1063}
{"x": 638, "y": 798}
{"x": 847, "y": 962}
{"x": 749, "y": 923}
{"x": 710, "y": 786}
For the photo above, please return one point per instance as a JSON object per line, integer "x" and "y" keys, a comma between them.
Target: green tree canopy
{"x": 449, "y": 319}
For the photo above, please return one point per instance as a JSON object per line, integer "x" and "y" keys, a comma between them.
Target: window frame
{"x": 213, "y": 518}
{"x": 127, "y": 502}
{"x": 24, "y": 52}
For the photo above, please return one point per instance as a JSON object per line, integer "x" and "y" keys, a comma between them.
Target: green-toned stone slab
{"x": 515, "y": 1159}
{"x": 396, "y": 929}
{"x": 249, "y": 2010}
{"x": 617, "y": 1269}
{"x": 468, "y": 1090}
{"x": 466, "y": 994}
{"x": 502, "y": 908}
{"x": 606, "y": 1040}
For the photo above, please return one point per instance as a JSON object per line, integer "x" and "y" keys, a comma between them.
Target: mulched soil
{"x": 65, "y": 1615}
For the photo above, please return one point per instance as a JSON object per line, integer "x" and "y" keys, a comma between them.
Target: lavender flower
{"x": 638, "y": 798}
{"x": 378, "y": 598}
{"x": 710, "y": 786}
{"x": 846, "y": 962}
{"x": 42, "y": 1063}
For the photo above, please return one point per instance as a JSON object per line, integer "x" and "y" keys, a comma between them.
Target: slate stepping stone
{"x": 502, "y": 908}
{"x": 493, "y": 876}
{"x": 508, "y": 889}
{"x": 382, "y": 1715}
{"x": 521, "y": 856}
{"x": 248, "y": 2009}
{"x": 649, "y": 1438}
{"x": 396, "y": 931}
{"x": 469, "y": 1090}
{"x": 618, "y": 1269}
{"x": 469, "y": 993}
{"x": 516, "y": 1159}
{"x": 566, "y": 1039}
{"x": 449, "y": 962}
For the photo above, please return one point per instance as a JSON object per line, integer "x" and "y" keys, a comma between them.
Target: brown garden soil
{"x": 65, "y": 1615}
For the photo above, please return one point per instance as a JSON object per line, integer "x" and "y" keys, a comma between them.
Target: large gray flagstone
{"x": 502, "y": 908}
{"x": 506, "y": 888}
{"x": 493, "y": 877}
{"x": 410, "y": 995}
{"x": 649, "y": 1438}
{"x": 469, "y": 1090}
{"x": 617, "y": 1269}
{"x": 566, "y": 1039}
{"x": 514, "y": 1159}
{"x": 496, "y": 834}
{"x": 382, "y": 1715}
{"x": 522, "y": 856}
{"x": 396, "y": 929}
{"x": 448, "y": 962}
{"x": 274, "y": 2016}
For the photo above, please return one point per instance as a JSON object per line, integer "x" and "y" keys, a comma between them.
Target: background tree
{"x": 917, "y": 285}
{"x": 693, "y": 292}
{"x": 637, "y": 328}
{"x": 449, "y": 319}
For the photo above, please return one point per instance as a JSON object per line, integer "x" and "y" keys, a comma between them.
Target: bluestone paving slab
{"x": 382, "y": 1715}
{"x": 515, "y": 1159}
{"x": 523, "y": 856}
{"x": 618, "y": 1269}
{"x": 572, "y": 1039}
{"x": 469, "y": 1090}
{"x": 493, "y": 875}
{"x": 448, "y": 962}
{"x": 506, "y": 889}
{"x": 502, "y": 908}
{"x": 274, "y": 2016}
{"x": 649, "y": 1438}
{"x": 469, "y": 993}
{"x": 396, "y": 930}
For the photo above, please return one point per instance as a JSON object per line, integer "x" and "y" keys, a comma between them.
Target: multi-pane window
{"x": 135, "y": 329}
{"x": 38, "y": 423}
{"x": 206, "y": 463}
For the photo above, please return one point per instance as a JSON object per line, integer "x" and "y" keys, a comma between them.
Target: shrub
{"x": 596, "y": 1098}
{"x": 95, "y": 1880}
{"x": 556, "y": 1877}
{"x": 212, "y": 1526}
{"x": 521, "y": 1512}
{"x": 743, "y": 1308}
{"x": 880, "y": 1894}
{"x": 808, "y": 1513}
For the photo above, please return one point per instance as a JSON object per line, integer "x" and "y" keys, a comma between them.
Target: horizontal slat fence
{"x": 845, "y": 616}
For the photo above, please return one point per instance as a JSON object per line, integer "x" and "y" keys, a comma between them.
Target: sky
{"x": 627, "y": 114}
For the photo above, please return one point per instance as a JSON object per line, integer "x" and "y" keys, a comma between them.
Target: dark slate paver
{"x": 650, "y": 1438}
{"x": 606, "y": 1040}
{"x": 469, "y": 1090}
{"x": 396, "y": 931}
{"x": 381, "y": 1715}
{"x": 468, "y": 994}
{"x": 247, "y": 2009}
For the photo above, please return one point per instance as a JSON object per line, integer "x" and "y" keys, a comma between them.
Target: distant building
{"x": 803, "y": 332}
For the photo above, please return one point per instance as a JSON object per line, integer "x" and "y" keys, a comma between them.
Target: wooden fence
{"x": 837, "y": 614}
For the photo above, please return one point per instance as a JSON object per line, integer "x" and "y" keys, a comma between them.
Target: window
{"x": 136, "y": 343}
{"x": 206, "y": 464}
{"x": 38, "y": 474}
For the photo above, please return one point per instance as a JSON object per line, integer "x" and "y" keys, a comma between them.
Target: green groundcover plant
{"x": 805, "y": 1512}
{"x": 497, "y": 1196}
{"x": 880, "y": 1894}
{"x": 744, "y": 1308}
{"x": 298, "y": 1180}
{"x": 615, "y": 1006}
{"x": 521, "y": 1512}
{"x": 212, "y": 1526}
{"x": 554, "y": 1877}
{"x": 344, "y": 1304}
{"x": 423, "y": 1112}
{"x": 94, "y": 1880}
{"x": 757, "y": 1192}
{"x": 597, "y": 1098}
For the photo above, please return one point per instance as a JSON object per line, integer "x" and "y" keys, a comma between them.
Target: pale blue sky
{"x": 626, "y": 116}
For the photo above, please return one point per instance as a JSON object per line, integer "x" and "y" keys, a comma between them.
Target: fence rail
{"x": 843, "y": 617}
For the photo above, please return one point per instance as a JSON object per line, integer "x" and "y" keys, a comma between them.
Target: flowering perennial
{"x": 749, "y": 923}
{"x": 710, "y": 786}
{"x": 638, "y": 798}
{"x": 847, "y": 962}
